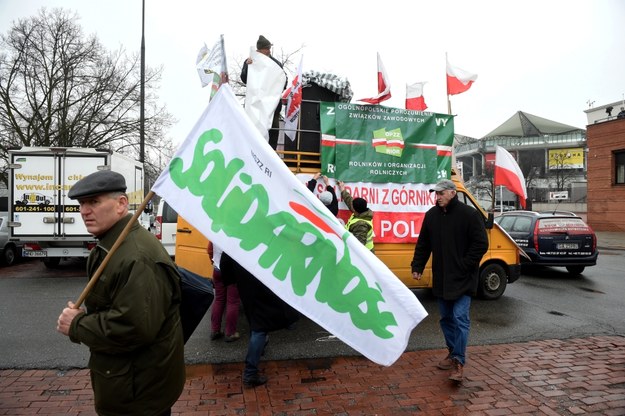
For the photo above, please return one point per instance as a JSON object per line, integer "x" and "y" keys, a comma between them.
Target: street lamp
{"x": 142, "y": 89}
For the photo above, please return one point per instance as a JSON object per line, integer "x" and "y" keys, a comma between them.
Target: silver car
{"x": 9, "y": 250}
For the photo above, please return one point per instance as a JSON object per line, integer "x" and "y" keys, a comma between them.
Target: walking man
{"x": 455, "y": 235}
{"x": 131, "y": 322}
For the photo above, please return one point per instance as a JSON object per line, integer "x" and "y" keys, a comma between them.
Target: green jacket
{"x": 359, "y": 224}
{"x": 132, "y": 326}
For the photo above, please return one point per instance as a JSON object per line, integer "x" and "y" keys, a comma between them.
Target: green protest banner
{"x": 445, "y": 141}
{"x": 377, "y": 144}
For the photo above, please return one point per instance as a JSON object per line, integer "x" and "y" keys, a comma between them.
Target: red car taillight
{"x": 536, "y": 235}
{"x": 594, "y": 239}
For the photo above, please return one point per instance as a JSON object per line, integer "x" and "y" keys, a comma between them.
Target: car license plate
{"x": 567, "y": 246}
{"x": 34, "y": 253}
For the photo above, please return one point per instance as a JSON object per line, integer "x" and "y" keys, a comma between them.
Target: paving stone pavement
{"x": 552, "y": 377}
{"x": 583, "y": 376}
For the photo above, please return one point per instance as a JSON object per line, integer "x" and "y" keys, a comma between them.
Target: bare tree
{"x": 61, "y": 88}
{"x": 560, "y": 163}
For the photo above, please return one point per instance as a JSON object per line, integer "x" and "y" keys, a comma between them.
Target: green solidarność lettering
{"x": 342, "y": 285}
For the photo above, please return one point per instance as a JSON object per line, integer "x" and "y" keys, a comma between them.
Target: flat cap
{"x": 100, "y": 182}
{"x": 444, "y": 185}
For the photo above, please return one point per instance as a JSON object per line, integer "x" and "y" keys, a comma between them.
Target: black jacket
{"x": 264, "y": 310}
{"x": 334, "y": 205}
{"x": 457, "y": 240}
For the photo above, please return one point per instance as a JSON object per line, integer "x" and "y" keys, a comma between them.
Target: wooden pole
{"x": 112, "y": 251}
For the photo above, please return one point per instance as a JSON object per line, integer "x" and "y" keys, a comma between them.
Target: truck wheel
{"x": 493, "y": 281}
{"x": 575, "y": 270}
{"x": 52, "y": 262}
{"x": 9, "y": 255}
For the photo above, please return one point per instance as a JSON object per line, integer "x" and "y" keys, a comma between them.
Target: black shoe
{"x": 216, "y": 335}
{"x": 257, "y": 380}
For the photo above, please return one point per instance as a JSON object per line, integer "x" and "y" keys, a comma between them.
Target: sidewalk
{"x": 610, "y": 240}
{"x": 553, "y": 377}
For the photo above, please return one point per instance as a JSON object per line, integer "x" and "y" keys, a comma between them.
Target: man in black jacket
{"x": 328, "y": 197}
{"x": 455, "y": 235}
{"x": 264, "y": 310}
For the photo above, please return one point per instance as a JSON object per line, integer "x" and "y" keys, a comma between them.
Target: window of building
{"x": 619, "y": 168}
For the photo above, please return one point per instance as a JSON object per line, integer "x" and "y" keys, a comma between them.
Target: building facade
{"x": 551, "y": 155}
{"x": 606, "y": 171}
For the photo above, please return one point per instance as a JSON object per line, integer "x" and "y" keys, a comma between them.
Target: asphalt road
{"x": 543, "y": 304}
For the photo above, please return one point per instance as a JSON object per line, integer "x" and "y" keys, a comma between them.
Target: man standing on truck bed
{"x": 264, "y": 46}
{"x": 132, "y": 321}
{"x": 455, "y": 235}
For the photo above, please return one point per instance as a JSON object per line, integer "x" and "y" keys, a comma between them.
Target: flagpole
{"x": 118, "y": 242}
{"x": 447, "y": 86}
{"x": 299, "y": 125}
{"x": 225, "y": 64}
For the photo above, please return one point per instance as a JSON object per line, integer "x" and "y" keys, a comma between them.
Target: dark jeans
{"x": 455, "y": 324}
{"x": 274, "y": 131}
{"x": 255, "y": 349}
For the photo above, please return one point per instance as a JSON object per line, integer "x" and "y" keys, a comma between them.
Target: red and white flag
{"x": 293, "y": 98}
{"x": 414, "y": 97}
{"x": 458, "y": 80}
{"x": 508, "y": 174}
{"x": 384, "y": 86}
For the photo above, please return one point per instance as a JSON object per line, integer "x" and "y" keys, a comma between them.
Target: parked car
{"x": 560, "y": 239}
{"x": 506, "y": 208}
{"x": 165, "y": 226}
{"x": 9, "y": 250}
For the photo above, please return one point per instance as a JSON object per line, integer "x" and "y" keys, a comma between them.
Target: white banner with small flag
{"x": 211, "y": 65}
{"x": 293, "y": 103}
{"x": 227, "y": 182}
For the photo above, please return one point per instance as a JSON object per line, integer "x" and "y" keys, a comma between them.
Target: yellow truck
{"x": 500, "y": 265}
{"x": 392, "y": 135}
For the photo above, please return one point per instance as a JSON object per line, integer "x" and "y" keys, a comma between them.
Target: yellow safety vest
{"x": 353, "y": 220}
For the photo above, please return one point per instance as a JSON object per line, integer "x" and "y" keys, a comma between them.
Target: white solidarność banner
{"x": 228, "y": 182}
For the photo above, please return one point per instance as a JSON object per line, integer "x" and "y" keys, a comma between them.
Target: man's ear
{"x": 122, "y": 202}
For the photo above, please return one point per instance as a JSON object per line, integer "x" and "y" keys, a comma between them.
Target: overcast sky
{"x": 549, "y": 58}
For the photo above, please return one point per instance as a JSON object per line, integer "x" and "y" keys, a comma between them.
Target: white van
{"x": 165, "y": 226}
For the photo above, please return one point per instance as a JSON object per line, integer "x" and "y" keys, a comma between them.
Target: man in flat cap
{"x": 131, "y": 319}
{"x": 455, "y": 235}
{"x": 263, "y": 46}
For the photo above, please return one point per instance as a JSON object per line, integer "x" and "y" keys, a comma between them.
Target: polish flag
{"x": 293, "y": 104}
{"x": 508, "y": 174}
{"x": 384, "y": 87}
{"x": 458, "y": 80}
{"x": 414, "y": 97}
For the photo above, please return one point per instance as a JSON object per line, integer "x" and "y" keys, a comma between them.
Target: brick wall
{"x": 606, "y": 200}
